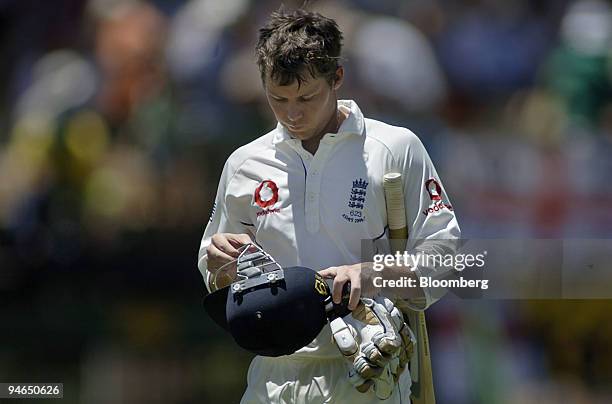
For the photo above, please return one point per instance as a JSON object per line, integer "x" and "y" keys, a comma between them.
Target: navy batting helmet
{"x": 273, "y": 313}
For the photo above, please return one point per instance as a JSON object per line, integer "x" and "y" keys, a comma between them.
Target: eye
{"x": 306, "y": 99}
{"x": 278, "y": 99}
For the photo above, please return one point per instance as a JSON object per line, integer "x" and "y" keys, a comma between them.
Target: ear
{"x": 339, "y": 78}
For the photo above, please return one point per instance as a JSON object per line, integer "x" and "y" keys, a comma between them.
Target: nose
{"x": 294, "y": 113}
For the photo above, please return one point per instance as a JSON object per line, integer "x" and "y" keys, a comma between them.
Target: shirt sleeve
{"x": 222, "y": 220}
{"x": 432, "y": 224}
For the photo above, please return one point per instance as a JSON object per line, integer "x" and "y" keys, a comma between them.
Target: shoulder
{"x": 259, "y": 147}
{"x": 396, "y": 139}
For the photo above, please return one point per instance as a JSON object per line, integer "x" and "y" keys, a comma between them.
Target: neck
{"x": 333, "y": 124}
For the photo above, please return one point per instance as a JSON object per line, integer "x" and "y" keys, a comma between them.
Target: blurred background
{"x": 117, "y": 116}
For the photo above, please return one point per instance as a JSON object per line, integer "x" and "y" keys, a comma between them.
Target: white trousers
{"x": 298, "y": 380}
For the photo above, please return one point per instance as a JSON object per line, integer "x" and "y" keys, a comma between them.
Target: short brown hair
{"x": 292, "y": 43}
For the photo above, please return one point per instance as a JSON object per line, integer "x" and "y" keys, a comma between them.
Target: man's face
{"x": 303, "y": 110}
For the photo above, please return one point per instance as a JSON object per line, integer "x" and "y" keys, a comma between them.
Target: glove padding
{"x": 377, "y": 343}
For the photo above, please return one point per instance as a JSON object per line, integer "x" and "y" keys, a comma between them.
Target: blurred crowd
{"x": 116, "y": 117}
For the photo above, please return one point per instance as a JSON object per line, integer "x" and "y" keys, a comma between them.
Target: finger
{"x": 362, "y": 385}
{"x": 217, "y": 258}
{"x": 355, "y": 292}
{"x": 388, "y": 345}
{"x": 374, "y": 355}
{"x": 238, "y": 240}
{"x": 329, "y": 273}
{"x": 337, "y": 288}
{"x": 378, "y": 358}
{"x": 366, "y": 369}
{"x": 222, "y": 243}
{"x": 354, "y": 297}
{"x": 365, "y": 386}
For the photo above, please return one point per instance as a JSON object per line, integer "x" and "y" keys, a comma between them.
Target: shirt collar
{"x": 353, "y": 124}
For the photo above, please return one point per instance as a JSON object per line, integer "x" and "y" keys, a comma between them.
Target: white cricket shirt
{"x": 314, "y": 210}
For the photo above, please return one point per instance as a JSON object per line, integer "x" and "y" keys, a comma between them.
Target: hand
{"x": 356, "y": 274}
{"x": 223, "y": 249}
{"x": 377, "y": 347}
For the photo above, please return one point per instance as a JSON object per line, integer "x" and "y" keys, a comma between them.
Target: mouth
{"x": 294, "y": 127}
